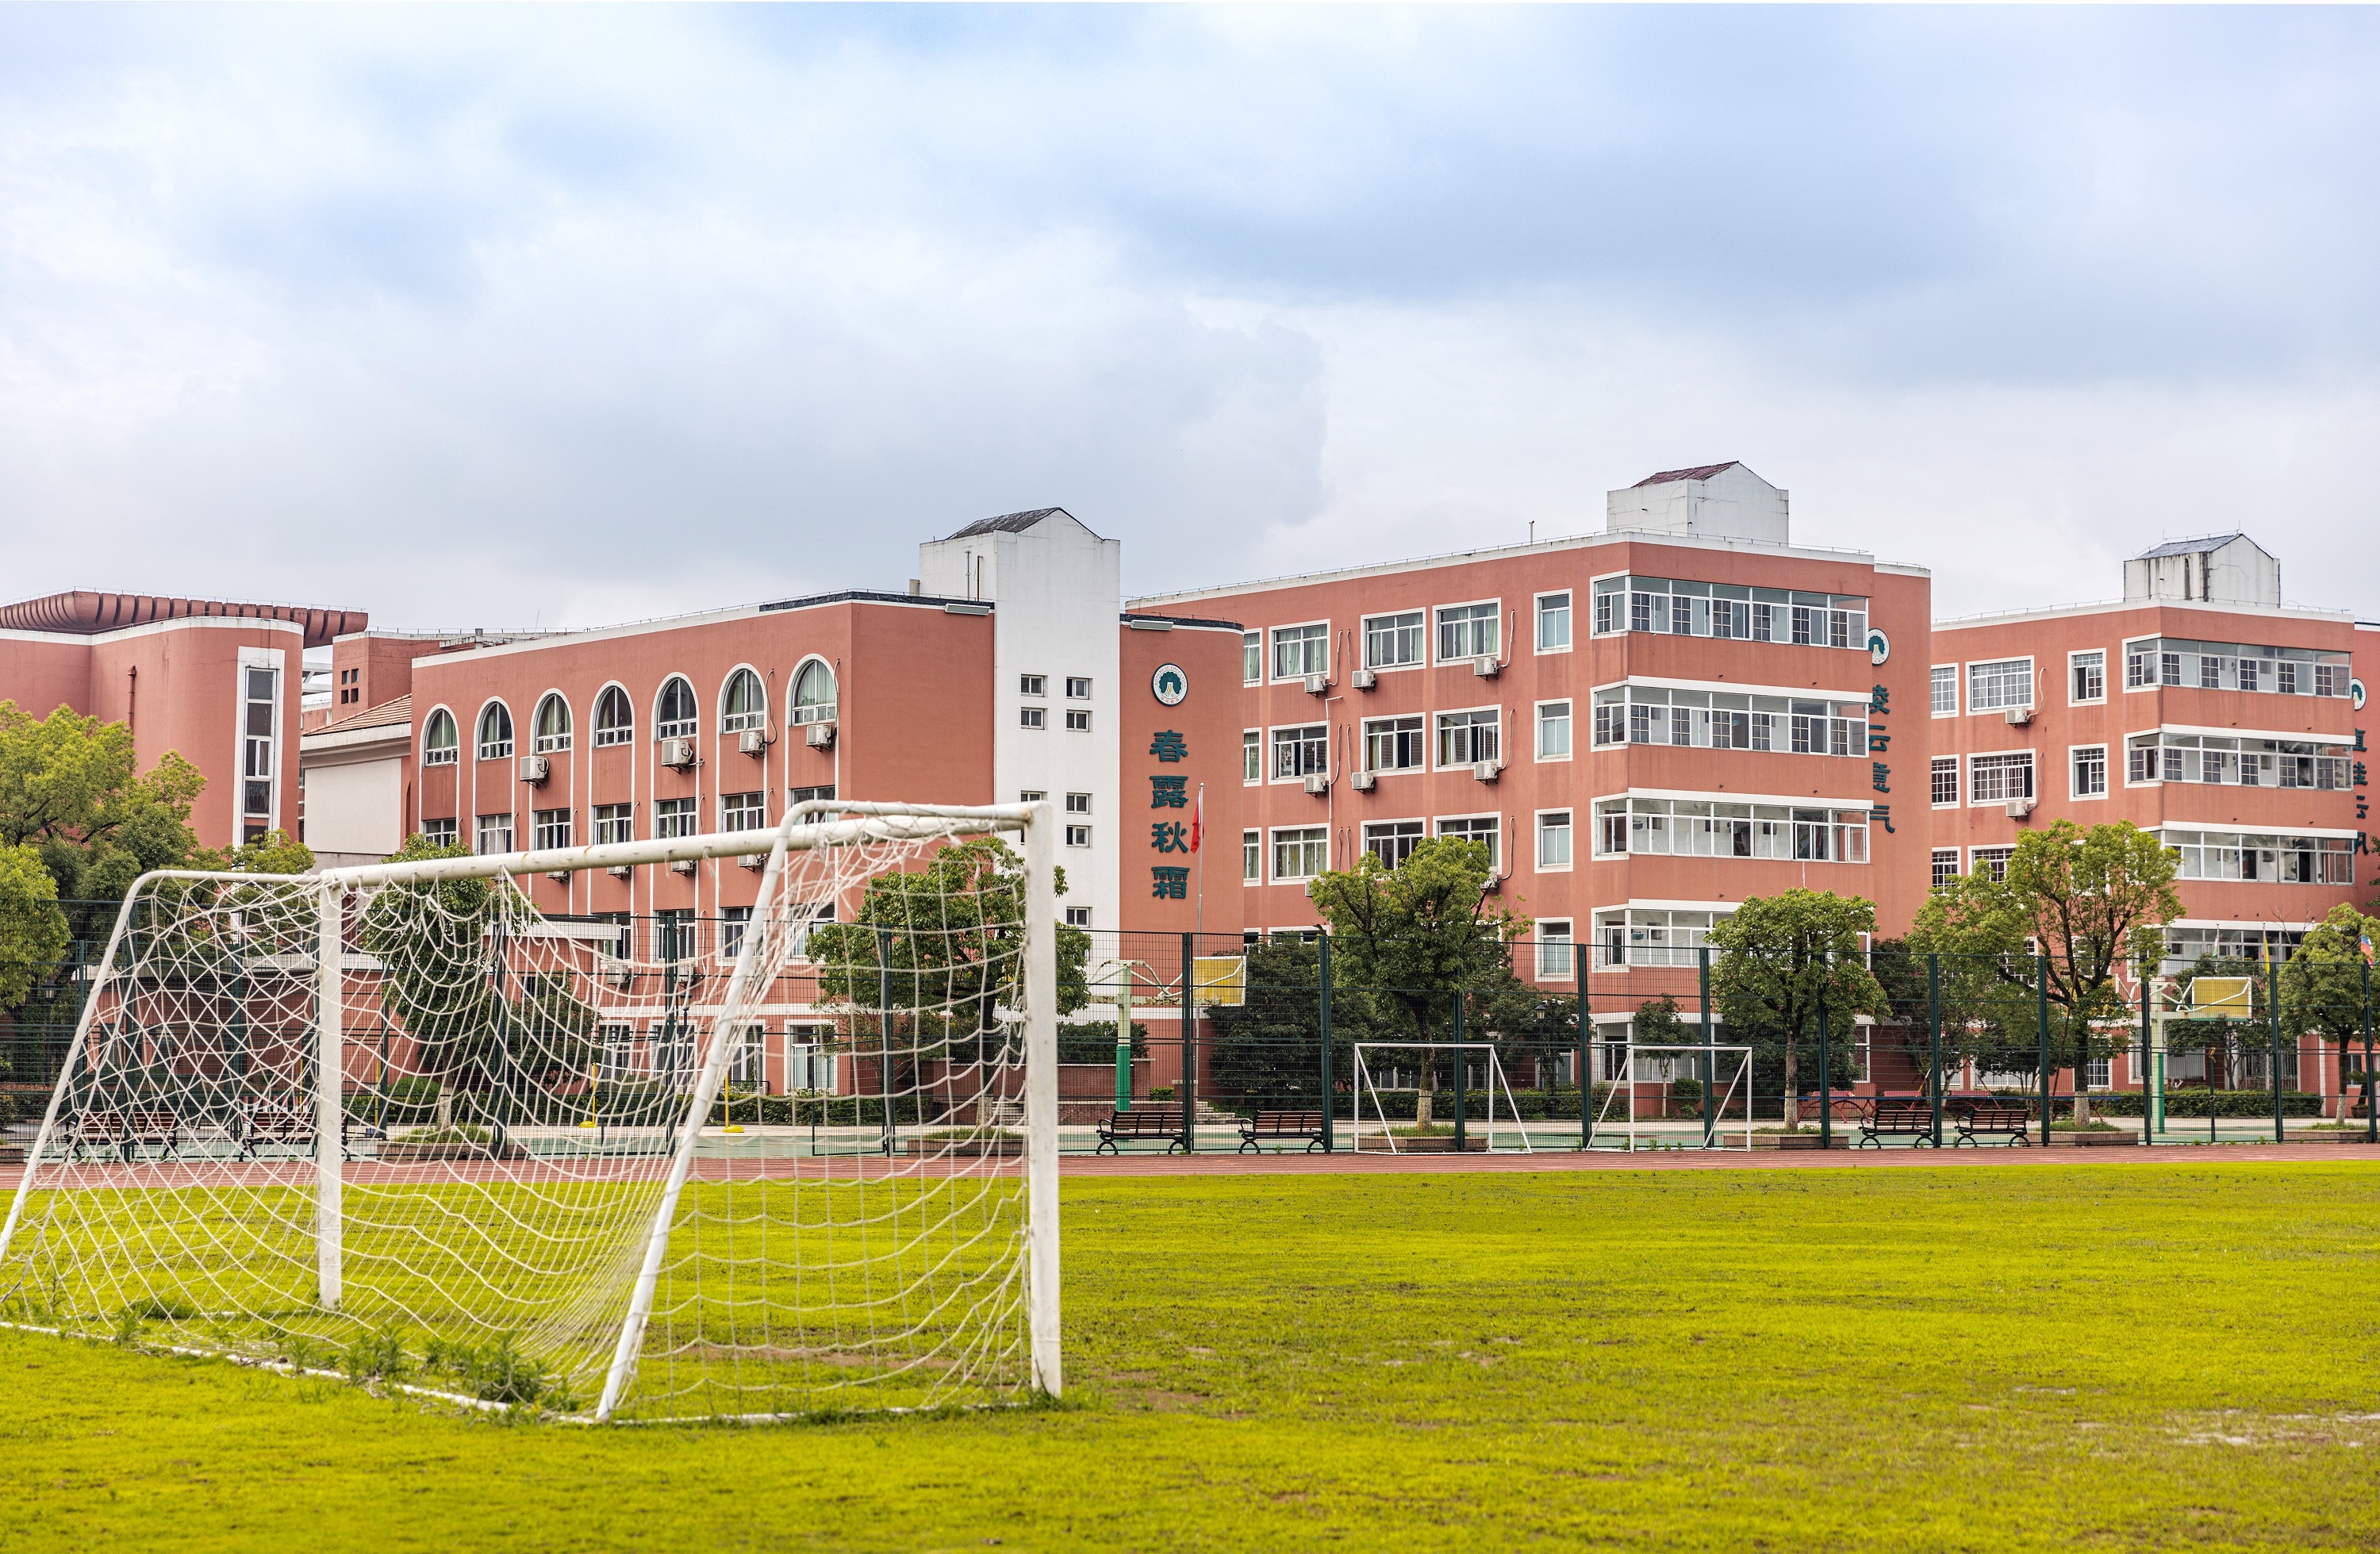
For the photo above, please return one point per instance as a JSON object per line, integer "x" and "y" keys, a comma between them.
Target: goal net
{"x": 395, "y": 1122}
{"x": 1473, "y": 1061}
{"x": 1642, "y": 1096}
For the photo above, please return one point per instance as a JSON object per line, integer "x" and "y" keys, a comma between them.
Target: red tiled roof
{"x": 87, "y": 613}
{"x": 1699, "y": 472}
{"x": 382, "y": 716}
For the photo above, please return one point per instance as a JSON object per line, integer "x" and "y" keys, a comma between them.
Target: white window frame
{"x": 454, "y": 753}
{"x": 2033, "y": 761}
{"x": 1305, "y": 838}
{"x": 1078, "y": 917}
{"x": 1421, "y": 661}
{"x": 2073, "y": 790}
{"x": 1252, "y": 742}
{"x": 1570, "y": 843}
{"x": 2071, "y": 657}
{"x": 1272, "y": 652}
{"x": 1437, "y": 744}
{"x": 537, "y": 744}
{"x": 624, "y": 815}
{"x": 2032, "y": 679}
{"x": 760, "y": 815}
{"x": 1078, "y": 836}
{"x": 602, "y": 738}
{"x": 1365, "y": 838}
{"x": 1251, "y": 640}
{"x": 1959, "y": 775}
{"x": 1497, "y": 860}
{"x": 1937, "y": 669}
{"x": 2124, "y": 657}
{"x": 1620, "y": 610}
{"x": 540, "y": 828}
{"x": 1035, "y": 718}
{"x": 1936, "y": 855}
{"x": 1364, "y": 731}
{"x": 478, "y": 746}
{"x": 1437, "y": 640}
{"x": 1252, "y": 857}
{"x": 1078, "y": 804}
{"x": 1570, "y": 721}
{"x": 742, "y": 723}
{"x": 685, "y": 728}
{"x": 1272, "y": 752}
{"x": 676, "y": 817}
{"x": 1538, "y": 615}
{"x": 479, "y": 828}
{"x": 1032, "y": 684}
{"x": 1078, "y": 719}
{"x": 2007, "y": 850}
{"x": 1081, "y": 680}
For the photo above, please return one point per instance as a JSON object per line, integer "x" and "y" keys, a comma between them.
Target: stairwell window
{"x": 1251, "y": 857}
{"x": 1554, "y": 622}
{"x": 1553, "y": 731}
{"x": 1252, "y": 755}
{"x": 1553, "y": 838}
{"x": 1999, "y": 779}
{"x": 1251, "y": 657}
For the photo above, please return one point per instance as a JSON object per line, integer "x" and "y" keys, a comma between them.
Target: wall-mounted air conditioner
{"x": 752, "y": 742}
{"x": 752, "y": 860}
{"x": 678, "y": 753}
{"x": 1363, "y": 782}
{"x": 1316, "y": 684}
{"x": 681, "y": 865}
{"x": 1487, "y": 770}
{"x": 1486, "y": 667}
{"x": 2018, "y": 808}
{"x": 559, "y": 876}
{"x": 618, "y": 872}
{"x": 535, "y": 768}
{"x": 1362, "y": 679}
{"x": 819, "y": 737}
{"x": 1317, "y": 782}
{"x": 2019, "y": 716}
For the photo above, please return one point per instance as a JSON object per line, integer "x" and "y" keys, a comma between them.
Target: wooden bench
{"x": 282, "y": 1125}
{"x": 95, "y": 1129}
{"x": 1899, "y": 1117}
{"x": 1157, "y": 1122}
{"x": 127, "y": 1132}
{"x": 1976, "y": 1117}
{"x": 1277, "y": 1125}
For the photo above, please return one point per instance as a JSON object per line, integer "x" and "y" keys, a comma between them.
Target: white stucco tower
{"x": 1056, "y": 592}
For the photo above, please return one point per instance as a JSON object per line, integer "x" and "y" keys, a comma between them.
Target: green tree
{"x": 1420, "y": 933}
{"x": 1270, "y": 1048}
{"x": 32, "y": 929}
{"x": 2092, "y": 902}
{"x": 72, "y": 787}
{"x": 2325, "y": 983}
{"x": 1780, "y": 957}
{"x": 437, "y": 984}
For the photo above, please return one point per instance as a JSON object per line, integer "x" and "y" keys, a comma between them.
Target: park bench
{"x": 1278, "y": 1125}
{"x": 1899, "y": 1117}
{"x": 127, "y": 1132}
{"x": 95, "y": 1130}
{"x": 2009, "y": 1119}
{"x": 1156, "y": 1122}
{"x": 286, "y": 1127}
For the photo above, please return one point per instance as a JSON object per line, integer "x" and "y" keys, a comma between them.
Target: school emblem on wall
{"x": 1170, "y": 685}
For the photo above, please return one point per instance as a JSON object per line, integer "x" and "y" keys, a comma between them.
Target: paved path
{"x": 1226, "y": 1164}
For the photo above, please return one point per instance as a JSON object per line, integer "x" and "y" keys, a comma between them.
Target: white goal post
{"x": 396, "y": 1119}
{"x": 1496, "y": 1084}
{"x": 1727, "y": 1081}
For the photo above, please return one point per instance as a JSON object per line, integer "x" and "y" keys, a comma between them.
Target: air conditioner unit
{"x": 819, "y": 737}
{"x": 619, "y": 871}
{"x": 1317, "y": 782}
{"x": 559, "y": 876}
{"x": 752, "y": 860}
{"x": 678, "y": 753}
{"x": 1362, "y": 679}
{"x": 621, "y": 976}
{"x": 681, "y": 865}
{"x": 1487, "y": 770}
{"x": 1486, "y": 667}
{"x": 2018, "y": 808}
{"x": 2019, "y": 716}
{"x": 535, "y": 768}
{"x": 752, "y": 742}
{"x": 1363, "y": 781}
{"x": 1316, "y": 684}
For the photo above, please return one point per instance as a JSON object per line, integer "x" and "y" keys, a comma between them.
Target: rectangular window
{"x": 1079, "y": 687}
{"x": 673, "y": 932}
{"x": 1078, "y": 804}
{"x": 1251, "y": 657}
{"x": 1392, "y": 641}
{"x": 2140, "y": 759}
{"x": 1300, "y": 853}
{"x": 1026, "y": 796}
{"x": 1392, "y": 841}
{"x": 1554, "y": 622}
{"x": 1300, "y": 650}
{"x": 1802, "y": 624}
{"x": 1991, "y": 862}
{"x": 1946, "y": 866}
{"x": 1553, "y": 730}
{"x": 1033, "y": 685}
{"x": 256, "y": 742}
{"x": 1393, "y": 744}
{"x": 552, "y": 828}
{"x": 1946, "y": 690}
{"x": 1999, "y": 779}
{"x": 1301, "y": 752}
{"x": 1946, "y": 779}
{"x": 1252, "y": 755}
{"x": 1553, "y": 840}
{"x": 1078, "y": 917}
{"x": 2091, "y": 771}
{"x": 731, "y": 924}
{"x": 1251, "y": 856}
{"x": 1078, "y": 836}
{"x": 743, "y": 811}
{"x": 614, "y": 822}
{"x": 2089, "y": 677}
{"x": 1078, "y": 719}
{"x": 673, "y": 817}
{"x": 495, "y": 834}
{"x": 1033, "y": 717}
{"x": 1485, "y": 830}
{"x": 1557, "y": 955}
{"x": 1607, "y": 599}
{"x": 2140, "y": 661}
{"x": 1468, "y": 739}
{"x": 2001, "y": 684}
{"x": 440, "y": 830}
{"x": 1467, "y": 631}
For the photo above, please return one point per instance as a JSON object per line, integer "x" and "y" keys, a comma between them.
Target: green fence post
{"x": 2041, "y": 1009}
{"x": 884, "y": 1029}
{"x": 1189, "y": 1049}
{"x": 1826, "y": 1069}
{"x": 2151, "y": 1093}
{"x": 1710, "y": 1066}
{"x": 1460, "y": 1062}
{"x": 1586, "y": 1064}
{"x": 2371, "y": 1117}
{"x": 1329, "y": 1102}
{"x": 2273, "y": 1019}
{"x": 1934, "y": 1023}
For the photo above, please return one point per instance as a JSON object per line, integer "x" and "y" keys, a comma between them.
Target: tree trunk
{"x": 1792, "y": 1090}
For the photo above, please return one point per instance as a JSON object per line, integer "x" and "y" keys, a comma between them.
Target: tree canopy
{"x": 1423, "y": 931}
{"x": 2326, "y": 981}
{"x": 1781, "y": 958}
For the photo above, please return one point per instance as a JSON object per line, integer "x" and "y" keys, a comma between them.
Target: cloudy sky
{"x": 548, "y": 316}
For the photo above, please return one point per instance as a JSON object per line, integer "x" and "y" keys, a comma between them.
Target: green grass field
{"x": 1985, "y": 1358}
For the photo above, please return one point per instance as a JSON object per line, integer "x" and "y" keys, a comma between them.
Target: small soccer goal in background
{"x": 393, "y": 1121}
{"x": 1379, "y": 1136}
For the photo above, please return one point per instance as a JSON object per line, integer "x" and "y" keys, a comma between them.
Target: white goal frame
{"x": 1738, "y": 1087}
{"x": 1496, "y": 1081}
{"x": 806, "y": 825}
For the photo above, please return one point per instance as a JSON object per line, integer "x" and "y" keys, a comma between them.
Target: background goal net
{"x": 396, "y": 1121}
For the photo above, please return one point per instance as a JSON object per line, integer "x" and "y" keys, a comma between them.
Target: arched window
{"x": 814, "y": 693}
{"x": 747, "y": 705}
{"x": 439, "y": 747}
{"x": 495, "y": 731}
{"x": 552, "y": 725}
{"x": 676, "y": 719}
{"x": 616, "y": 720}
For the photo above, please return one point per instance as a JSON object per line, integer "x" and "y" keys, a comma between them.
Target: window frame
{"x": 1569, "y": 828}
{"x": 1365, "y": 839}
{"x": 480, "y": 827}
{"x": 1252, "y": 742}
{"x": 602, "y": 738}
{"x": 759, "y": 720}
{"x": 537, "y": 737}
{"x": 760, "y": 813}
{"x": 1251, "y": 641}
{"x": 815, "y": 713}
{"x": 2073, "y": 773}
{"x": 1958, "y": 779}
{"x": 1437, "y": 735}
{"x": 1496, "y": 860}
{"x": 676, "y": 728}
{"x": 1537, "y": 620}
{"x": 1570, "y": 729}
{"x": 2032, "y": 682}
{"x": 1078, "y": 719}
{"x": 1564, "y": 932}
{"x": 540, "y": 828}
{"x": 669, "y": 811}
{"x": 1272, "y": 651}
{"x": 1934, "y": 672}
{"x": 596, "y": 820}
{"x": 1272, "y": 751}
{"x": 1436, "y": 630}
{"x": 1422, "y": 629}
{"x": 2032, "y": 777}
{"x": 2072, "y": 657}
{"x": 1305, "y": 835}
{"x": 511, "y": 742}
{"x": 1934, "y": 867}
{"x": 1034, "y": 718}
{"x": 1251, "y": 857}
{"x": 1421, "y": 741}
{"x": 454, "y": 752}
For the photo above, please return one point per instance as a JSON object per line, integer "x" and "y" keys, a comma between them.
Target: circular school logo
{"x": 1880, "y": 646}
{"x": 1170, "y": 683}
{"x": 2355, "y": 694}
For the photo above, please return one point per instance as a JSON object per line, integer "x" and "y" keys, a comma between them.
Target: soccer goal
{"x": 1515, "y": 1138}
{"x": 1648, "y": 1072}
{"x": 395, "y": 1122}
